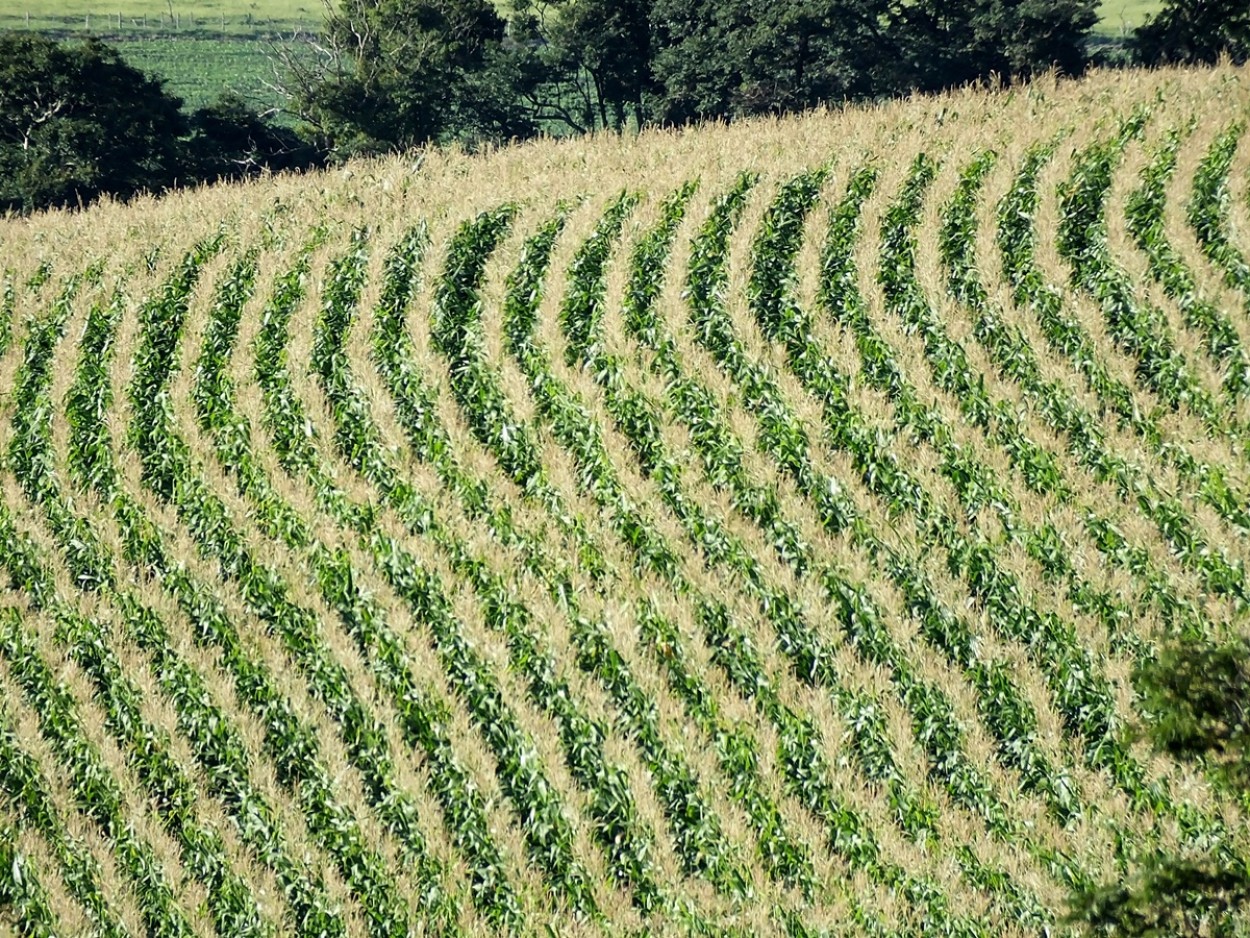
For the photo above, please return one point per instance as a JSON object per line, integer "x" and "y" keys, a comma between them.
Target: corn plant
{"x": 785, "y": 438}
{"x": 96, "y": 790}
{"x": 215, "y": 743}
{"x": 785, "y": 856}
{"x": 231, "y": 902}
{"x": 428, "y": 441}
{"x": 453, "y": 317}
{"x": 426, "y": 597}
{"x": 1207, "y": 211}
{"x": 1016, "y": 360}
{"x": 29, "y": 451}
{"x": 1017, "y": 243}
{"x": 170, "y": 473}
{"x": 750, "y": 539}
{"x": 694, "y": 290}
{"x": 219, "y": 748}
{"x": 202, "y": 848}
{"x": 90, "y": 445}
{"x": 952, "y": 371}
{"x": 524, "y": 780}
{"x": 1067, "y": 337}
{"x": 698, "y": 839}
{"x": 27, "y": 792}
{"x": 630, "y": 412}
{"x": 22, "y": 893}
{"x": 1144, "y": 212}
{"x": 915, "y": 310}
{"x": 214, "y": 394}
{"x": 1139, "y": 330}
{"x": 692, "y": 404}
{"x": 614, "y": 815}
{"x": 8, "y": 302}
{"x": 572, "y": 424}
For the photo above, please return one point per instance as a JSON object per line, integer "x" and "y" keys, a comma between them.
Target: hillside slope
{"x": 752, "y": 528}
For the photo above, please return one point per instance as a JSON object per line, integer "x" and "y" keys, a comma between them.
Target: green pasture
{"x": 1120, "y": 17}
{"x": 201, "y": 70}
{"x": 122, "y": 18}
{"x": 202, "y": 49}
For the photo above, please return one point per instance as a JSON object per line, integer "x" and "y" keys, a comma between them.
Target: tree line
{"x": 392, "y": 74}
{"x": 78, "y": 122}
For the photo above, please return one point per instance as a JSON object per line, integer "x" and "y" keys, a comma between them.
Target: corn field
{"x": 747, "y": 530}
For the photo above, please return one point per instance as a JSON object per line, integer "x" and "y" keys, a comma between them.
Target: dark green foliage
{"x": 228, "y": 140}
{"x": 1191, "y": 31}
{"x": 1196, "y": 701}
{"x": 1170, "y": 898}
{"x": 396, "y": 74}
{"x": 728, "y": 58}
{"x": 595, "y": 57}
{"x": 77, "y": 122}
{"x": 949, "y": 44}
{"x": 393, "y": 74}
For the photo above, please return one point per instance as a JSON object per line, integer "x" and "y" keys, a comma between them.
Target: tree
{"x": 1192, "y": 31}
{"x": 396, "y": 74}
{"x": 731, "y": 58}
{"x": 955, "y": 42}
{"x": 76, "y": 122}
{"x": 727, "y": 58}
{"x": 229, "y": 140}
{"x": 1196, "y": 702}
{"x": 612, "y": 44}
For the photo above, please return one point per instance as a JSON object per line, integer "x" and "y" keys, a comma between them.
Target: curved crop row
{"x": 1208, "y": 210}
{"x": 752, "y": 530}
{"x": 1067, "y": 337}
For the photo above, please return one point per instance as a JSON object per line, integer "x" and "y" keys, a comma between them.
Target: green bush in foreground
{"x": 1197, "y": 702}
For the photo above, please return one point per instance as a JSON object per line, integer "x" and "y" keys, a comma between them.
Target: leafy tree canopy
{"x": 76, "y": 122}
{"x": 949, "y": 44}
{"x": 728, "y": 58}
{"x": 1192, "y": 31}
{"x": 725, "y": 58}
{"x": 400, "y": 73}
{"x": 229, "y": 140}
{"x": 395, "y": 74}
{"x": 595, "y": 59}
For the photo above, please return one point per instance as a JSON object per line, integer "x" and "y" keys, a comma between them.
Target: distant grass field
{"x": 1123, "y": 16}
{"x": 207, "y": 47}
{"x": 101, "y": 16}
{"x": 201, "y": 49}
{"x": 1116, "y": 15}
{"x": 201, "y": 70}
